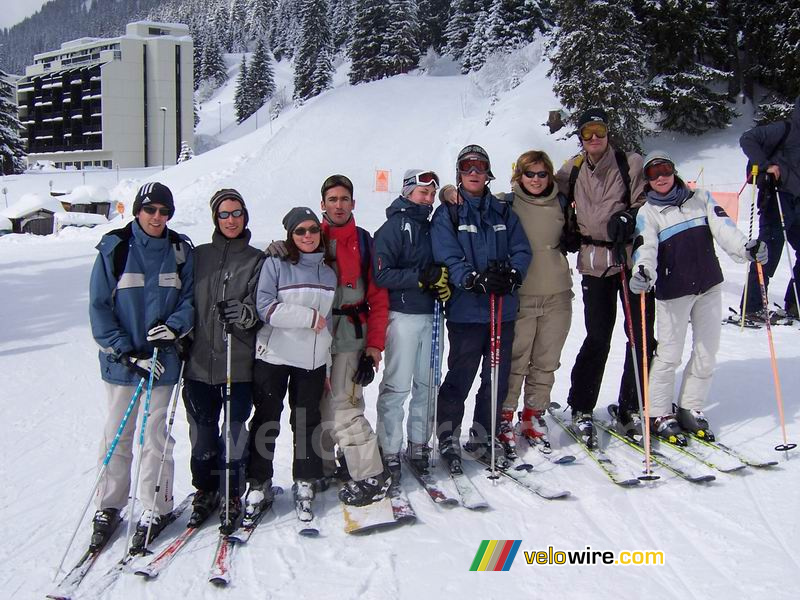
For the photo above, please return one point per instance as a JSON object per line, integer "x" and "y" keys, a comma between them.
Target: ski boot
{"x": 419, "y": 456}
{"x": 450, "y": 452}
{"x": 583, "y": 426}
{"x": 104, "y": 523}
{"x": 533, "y": 428}
{"x": 482, "y": 451}
{"x": 159, "y": 522}
{"x": 667, "y": 429}
{"x": 303, "y": 496}
{"x": 258, "y": 497}
{"x": 694, "y": 421}
{"x": 366, "y": 491}
{"x": 506, "y": 435}
{"x": 629, "y": 424}
{"x": 203, "y": 505}
{"x": 229, "y": 525}
{"x": 341, "y": 473}
{"x": 759, "y": 317}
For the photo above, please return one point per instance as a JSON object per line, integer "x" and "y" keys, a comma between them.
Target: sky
{"x": 13, "y": 11}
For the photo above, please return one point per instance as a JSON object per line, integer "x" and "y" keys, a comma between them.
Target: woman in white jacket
{"x": 674, "y": 250}
{"x": 293, "y": 299}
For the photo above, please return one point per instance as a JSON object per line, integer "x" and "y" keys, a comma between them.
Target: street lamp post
{"x": 163, "y": 110}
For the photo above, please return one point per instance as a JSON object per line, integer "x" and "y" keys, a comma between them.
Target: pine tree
{"x": 260, "y": 77}
{"x": 592, "y": 70}
{"x": 12, "y": 149}
{"x": 186, "y": 152}
{"x": 433, "y": 17}
{"x": 220, "y": 25}
{"x": 461, "y": 25}
{"x": 198, "y": 40}
{"x": 369, "y": 41}
{"x": 313, "y": 69}
{"x": 474, "y": 54}
{"x": 340, "y": 22}
{"x": 402, "y": 38}
{"x": 259, "y": 17}
{"x": 213, "y": 69}
{"x": 238, "y": 34}
{"x": 512, "y": 23}
{"x": 285, "y": 32}
{"x": 241, "y": 97}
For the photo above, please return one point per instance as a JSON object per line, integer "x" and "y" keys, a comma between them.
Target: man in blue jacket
{"x": 775, "y": 148}
{"x": 403, "y": 263}
{"x": 486, "y": 251}
{"x": 140, "y": 297}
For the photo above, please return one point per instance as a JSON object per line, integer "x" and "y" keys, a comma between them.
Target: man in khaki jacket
{"x": 606, "y": 187}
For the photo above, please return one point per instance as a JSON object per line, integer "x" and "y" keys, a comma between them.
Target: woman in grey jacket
{"x": 293, "y": 299}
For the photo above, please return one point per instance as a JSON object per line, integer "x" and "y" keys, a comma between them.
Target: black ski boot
{"x": 159, "y": 522}
{"x": 451, "y": 453}
{"x": 482, "y": 451}
{"x": 203, "y": 505}
{"x": 666, "y": 428}
{"x": 366, "y": 491}
{"x": 234, "y": 517}
{"x": 694, "y": 421}
{"x": 419, "y": 455}
{"x": 583, "y": 426}
{"x": 392, "y": 463}
{"x": 104, "y": 523}
{"x": 629, "y": 424}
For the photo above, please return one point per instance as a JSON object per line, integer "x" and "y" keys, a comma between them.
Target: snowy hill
{"x": 731, "y": 538}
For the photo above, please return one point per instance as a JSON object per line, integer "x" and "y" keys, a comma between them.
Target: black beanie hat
{"x": 154, "y": 193}
{"x": 593, "y": 115}
{"x": 227, "y": 194}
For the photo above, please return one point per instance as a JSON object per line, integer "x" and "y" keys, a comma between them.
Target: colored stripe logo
{"x": 495, "y": 555}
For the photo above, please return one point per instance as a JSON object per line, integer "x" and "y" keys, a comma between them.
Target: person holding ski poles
{"x": 674, "y": 251}
{"x": 605, "y": 185}
{"x": 294, "y": 299}
{"x": 226, "y": 272}
{"x": 141, "y": 298}
{"x": 403, "y": 264}
{"x": 775, "y": 148}
{"x": 486, "y": 252}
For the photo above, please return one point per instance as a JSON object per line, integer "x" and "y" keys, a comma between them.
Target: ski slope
{"x": 735, "y": 537}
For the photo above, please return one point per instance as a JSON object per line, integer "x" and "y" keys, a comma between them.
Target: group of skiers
{"x": 315, "y": 314}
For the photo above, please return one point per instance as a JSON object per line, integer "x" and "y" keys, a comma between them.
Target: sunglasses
{"x": 151, "y": 210}
{"x": 301, "y": 231}
{"x": 426, "y": 178}
{"x": 224, "y": 214}
{"x": 662, "y": 169}
{"x": 535, "y": 174}
{"x": 473, "y": 165}
{"x": 590, "y": 129}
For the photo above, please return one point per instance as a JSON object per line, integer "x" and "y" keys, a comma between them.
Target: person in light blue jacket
{"x": 140, "y": 297}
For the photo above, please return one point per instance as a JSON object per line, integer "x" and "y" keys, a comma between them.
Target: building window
{"x": 106, "y": 164}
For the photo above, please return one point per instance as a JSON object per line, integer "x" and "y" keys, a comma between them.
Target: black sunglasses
{"x": 534, "y": 174}
{"x": 301, "y": 231}
{"x": 151, "y": 210}
{"x": 224, "y": 214}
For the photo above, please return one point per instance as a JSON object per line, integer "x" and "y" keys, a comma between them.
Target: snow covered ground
{"x": 734, "y": 538}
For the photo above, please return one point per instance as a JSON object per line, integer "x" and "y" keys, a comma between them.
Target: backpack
{"x": 119, "y": 256}
{"x": 787, "y": 128}
{"x": 624, "y": 171}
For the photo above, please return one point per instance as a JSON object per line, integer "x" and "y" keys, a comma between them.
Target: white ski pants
{"x": 115, "y": 486}
{"x": 704, "y": 311}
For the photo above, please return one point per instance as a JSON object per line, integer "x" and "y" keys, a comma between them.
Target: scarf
{"x": 675, "y": 197}
{"x": 348, "y": 256}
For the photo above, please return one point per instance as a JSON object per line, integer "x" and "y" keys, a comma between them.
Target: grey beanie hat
{"x": 227, "y": 194}
{"x": 474, "y": 151}
{"x": 296, "y": 216}
{"x": 410, "y": 180}
{"x": 655, "y": 157}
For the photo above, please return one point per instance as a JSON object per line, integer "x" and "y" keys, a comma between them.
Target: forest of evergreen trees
{"x": 674, "y": 65}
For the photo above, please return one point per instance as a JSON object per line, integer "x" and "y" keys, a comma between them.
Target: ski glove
{"x": 765, "y": 181}
{"x": 442, "y": 292}
{"x": 757, "y": 251}
{"x": 365, "y": 372}
{"x": 621, "y": 226}
{"x": 641, "y": 282}
{"x": 490, "y": 281}
{"x": 233, "y": 312}
{"x": 142, "y": 363}
{"x": 162, "y": 336}
{"x": 514, "y": 279}
{"x": 277, "y": 249}
{"x": 433, "y": 276}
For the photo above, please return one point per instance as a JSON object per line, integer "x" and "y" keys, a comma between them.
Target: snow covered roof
{"x": 85, "y": 219}
{"x": 30, "y": 203}
{"x": 5, "y": 224}
{"x": 86, "y": 194}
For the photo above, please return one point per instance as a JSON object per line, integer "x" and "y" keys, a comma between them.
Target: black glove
{"x": 490, "y": 281}
{"x": 141, "y": 363}
{"x": 183, "y": 345}
{"x": 231, "y": 311}
{"x": 515, "y": 280}
{"x": 162, "y": 335}
{"x": 365, "y": 372}
{"x": 433, "y": 276}
{"x": 621, "y": 226}
{"x": 766, "y": 181}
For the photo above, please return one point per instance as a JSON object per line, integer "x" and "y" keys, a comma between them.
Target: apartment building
{"x": 108, "y": 102}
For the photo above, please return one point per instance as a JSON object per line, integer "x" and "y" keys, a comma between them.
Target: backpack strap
{"x": 120, "y": 252}
{"x": 577, "y": 163}
{"x": 625, "y": 172}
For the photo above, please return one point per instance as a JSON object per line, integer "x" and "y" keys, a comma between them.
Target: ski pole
{"x": 132, "y": 501}
{"x": 170, "y": 422}
{"x": 626, "y": 302}
{"x": 102, "y": 471}
{"x": 788, "y": 251}
{"x": 754, "y": 172}
{"x": 495, "y": 314}
{"x": 646, "y": 388}
{"x": 786, "y": 446}
{"x": 433, "y": 386}
{"x": 229, "y": 341}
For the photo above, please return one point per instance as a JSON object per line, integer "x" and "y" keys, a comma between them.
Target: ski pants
{"x": 270, "y": 383}
{"x": 539, "y": 334}
{"x": 115, "y": 486}
{"x": 204, "y": 403}
{"x": 704, "y": 311}
{"x": 344, "y": 422}
{"x": 407, "y": 369}
{"x": 600, "y": 296}
{"x": 771, "y": 233}
{"x": 469, "y": 349}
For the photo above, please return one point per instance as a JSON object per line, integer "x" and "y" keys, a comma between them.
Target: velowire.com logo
{"x": 495, "y": 555}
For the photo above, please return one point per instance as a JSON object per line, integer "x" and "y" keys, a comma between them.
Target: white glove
{"x": 162, "y": 335}
{"x": 757, "y": 251}
{"x": 641, "y": 281}
{"x": 141, "y": 365}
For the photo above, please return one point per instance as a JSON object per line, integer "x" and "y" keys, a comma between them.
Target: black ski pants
{"x": 204, "y": 403}
{"x": 469, "y": 349}
{"x": 270, "y": 383}
{"x": 600, "y": 295}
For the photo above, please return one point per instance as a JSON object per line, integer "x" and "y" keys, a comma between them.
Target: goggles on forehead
{"x": 590, "y": 129}
{"x": 661, "y": 169}
{"x": 473, "y": 165}
{"x": 426, "y": 178}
